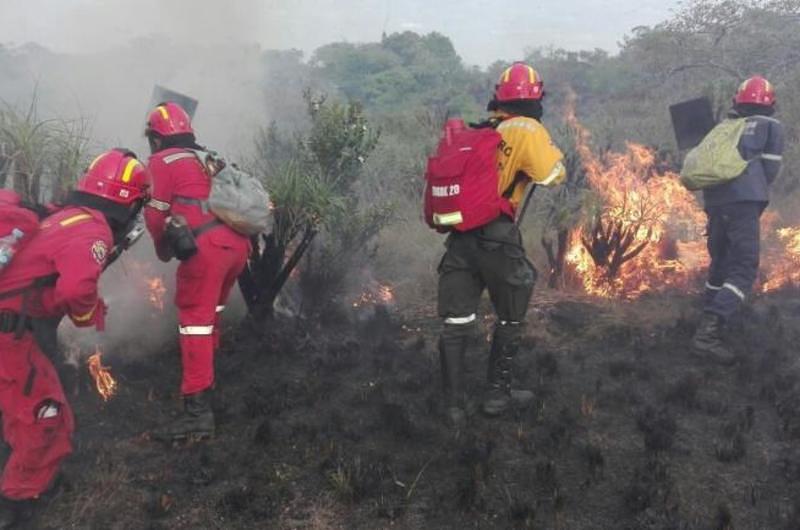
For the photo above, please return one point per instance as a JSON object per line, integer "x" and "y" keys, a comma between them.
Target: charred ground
{"x": 334, "y": 425}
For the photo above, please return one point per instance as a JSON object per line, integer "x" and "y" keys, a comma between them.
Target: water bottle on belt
{"x": 8, "y": 246}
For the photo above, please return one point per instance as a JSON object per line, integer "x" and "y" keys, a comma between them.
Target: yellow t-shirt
{"x": 527, "y": 150}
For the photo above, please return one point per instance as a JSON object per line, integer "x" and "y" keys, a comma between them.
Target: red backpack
{"x": 18, "y": 225}
{"x": 462, "y": 178}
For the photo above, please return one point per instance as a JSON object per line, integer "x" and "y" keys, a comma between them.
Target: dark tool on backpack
{"x": 692, "y": 120}
{"x": 162, "y": 94}
{"x": 181, "y": 238}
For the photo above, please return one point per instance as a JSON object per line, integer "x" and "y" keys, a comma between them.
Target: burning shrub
{"x": 642, "y": 231}
{"x": 782, "y": 256}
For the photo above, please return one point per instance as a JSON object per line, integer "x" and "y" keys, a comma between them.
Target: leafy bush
{"x": 313, "y": 179}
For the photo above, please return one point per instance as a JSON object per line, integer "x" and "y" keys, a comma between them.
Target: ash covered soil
{"x": 334, "y": 425}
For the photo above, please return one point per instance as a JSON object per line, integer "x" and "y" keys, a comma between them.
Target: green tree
{"x": 312, "y": 178}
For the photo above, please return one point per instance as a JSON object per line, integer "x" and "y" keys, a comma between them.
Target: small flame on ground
{"x": 149, "y": 283}
{"x": 156, "y": 292}
{"x": 381, "y": 295}
{"x": 103, "y": 380}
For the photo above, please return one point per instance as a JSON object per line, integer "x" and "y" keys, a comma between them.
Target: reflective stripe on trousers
{"x": 461, "y": 320}
{"x": 196, "y": 330}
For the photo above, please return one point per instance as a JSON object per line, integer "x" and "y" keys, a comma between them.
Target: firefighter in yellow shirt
{"x": 492, "y": 256}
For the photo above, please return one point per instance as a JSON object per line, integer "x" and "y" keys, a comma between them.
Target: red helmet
{"x": 519, "y": 81}
{"x": 116, "y": 175}
{"x": 757, "y": 91}
{"x": 169, "y": 119}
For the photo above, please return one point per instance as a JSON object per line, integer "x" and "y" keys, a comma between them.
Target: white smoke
{"x": 108, "y": 57}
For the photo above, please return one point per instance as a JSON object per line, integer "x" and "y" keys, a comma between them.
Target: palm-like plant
{"x": 40, "y": 158}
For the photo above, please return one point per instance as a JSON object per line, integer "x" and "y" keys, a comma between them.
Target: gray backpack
{"x": 237, "y": 198}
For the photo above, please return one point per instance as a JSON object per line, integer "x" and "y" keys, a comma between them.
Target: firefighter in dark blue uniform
{"x": 734, "y": 210}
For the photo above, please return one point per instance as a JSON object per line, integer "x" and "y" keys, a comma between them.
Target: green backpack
{"x": 716, "y": 160}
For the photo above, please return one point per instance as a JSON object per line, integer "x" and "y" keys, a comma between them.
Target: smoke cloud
{"x": 192, "y": 47}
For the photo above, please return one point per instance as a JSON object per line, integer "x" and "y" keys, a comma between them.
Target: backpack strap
{"x": 200, "y": 203}
{"x": 519, "y": 178}
{"x": 37, "y": 283}
{"x": 205, "y": 227}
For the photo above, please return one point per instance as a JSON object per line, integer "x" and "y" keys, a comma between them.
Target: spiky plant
{"x": 40, "y": 158}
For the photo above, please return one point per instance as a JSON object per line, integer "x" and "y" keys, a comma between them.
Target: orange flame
{"x": 782, "y": 259}
{"x": 382, "y": 294}
{"x": 646, "y": 232}
{"x": 103, "y": 380}
{"x": 156, "y": 292}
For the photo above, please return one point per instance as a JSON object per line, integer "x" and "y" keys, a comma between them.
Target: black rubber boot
{"x": 14, "y": 513}
{"x": 501, "y": 396}
{"x": 452, "y": 350}
{"x": 196, "y": 422}
{"x": 707, "y": 342}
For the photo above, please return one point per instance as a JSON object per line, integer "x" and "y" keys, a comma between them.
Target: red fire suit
{"x": 204, "y": 281}
{"x": 37, "y": 420}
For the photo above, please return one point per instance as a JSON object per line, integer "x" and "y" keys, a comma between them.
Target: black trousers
{"x": 490, "y": 257}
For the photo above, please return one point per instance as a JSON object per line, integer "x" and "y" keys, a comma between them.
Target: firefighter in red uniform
{"x": 53, "y": 275}
{"x": 177, "y": 214}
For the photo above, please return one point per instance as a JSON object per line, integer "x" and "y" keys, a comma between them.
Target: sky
{"x": 480, "y": 34}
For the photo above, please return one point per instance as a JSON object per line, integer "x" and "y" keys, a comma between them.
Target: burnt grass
{"x": 336, "y": 426}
